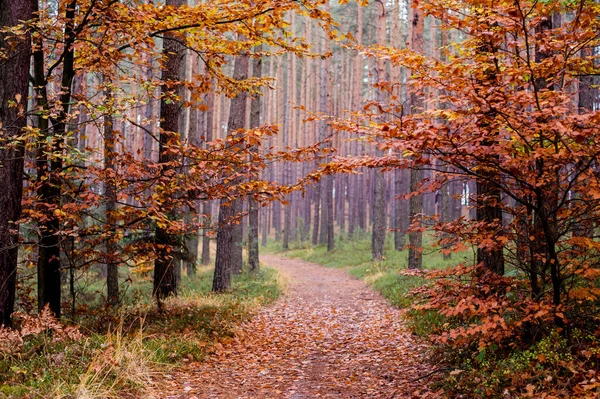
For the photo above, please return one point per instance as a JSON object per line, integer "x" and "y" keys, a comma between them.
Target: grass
{"x": 120, "y": 352}
{"x": 354, "y": 255}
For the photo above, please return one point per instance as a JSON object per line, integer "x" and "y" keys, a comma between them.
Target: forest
{"x": 299, "y": 199}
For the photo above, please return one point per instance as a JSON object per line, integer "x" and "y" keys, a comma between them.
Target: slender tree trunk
{"x": 415, "y": 259}
{"x": 255, "y": 107}
{"x": 110, "y": 193}
{"x": 206, "y": 205}
{"x": 379, "y": 226}
{"x": 49, "y": 166}
{"x": 14, "y": 78}
{"x": 327, "y": 227}
{"x": 287, "y": 99}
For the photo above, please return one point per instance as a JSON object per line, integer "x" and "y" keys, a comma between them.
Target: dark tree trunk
{"x": 488, "y": 197}
{"x": 165, "y": 275}
{"x": 110, "y": 193}
{"x": 230, "y": 234}
{"x": 14, "y": 75}
{"x": 253, "y": 260}
{"x": 48, "y": 167}
{"x": 490, "y": 212}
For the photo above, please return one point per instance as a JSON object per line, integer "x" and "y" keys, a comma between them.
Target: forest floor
{"x": 329, "y": 336}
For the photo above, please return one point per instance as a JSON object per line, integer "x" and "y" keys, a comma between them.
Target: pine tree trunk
{"x": 165, "y": 273}
{"x": 415, "y": 260}
{"x": 327, "y": 227}
{"x": 230, "y": 234}
{"x": 379, "y": 226}
{"x": 14, "y": 79}
{"x": 206, "y": 205}
{"x": 253, "y": 260}
{"x": 287, "y": 99}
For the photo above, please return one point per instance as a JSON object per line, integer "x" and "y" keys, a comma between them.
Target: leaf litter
{"x": 330, "y": 336}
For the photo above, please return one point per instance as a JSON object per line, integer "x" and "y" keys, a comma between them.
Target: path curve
{"x": 329, "y": 336}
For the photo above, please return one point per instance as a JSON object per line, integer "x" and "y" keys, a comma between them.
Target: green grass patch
{"x": 354, "y": 255}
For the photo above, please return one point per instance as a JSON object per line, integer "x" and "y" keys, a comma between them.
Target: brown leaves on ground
{"x": 329, "y": 337}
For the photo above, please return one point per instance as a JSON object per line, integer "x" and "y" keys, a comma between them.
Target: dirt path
{"x": 330, "y": 336}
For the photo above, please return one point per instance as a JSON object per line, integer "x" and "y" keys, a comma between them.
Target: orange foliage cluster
{"x": 506, "y": 107}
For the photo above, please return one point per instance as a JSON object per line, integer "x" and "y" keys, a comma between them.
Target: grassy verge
{"x": 354, "y": 255}
{"x": 116, "y": 355}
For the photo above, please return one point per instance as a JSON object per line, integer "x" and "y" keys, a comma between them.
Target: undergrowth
{"x": 117, "y": 354}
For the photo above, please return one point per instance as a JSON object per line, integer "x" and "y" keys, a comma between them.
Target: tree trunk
{"x": 229, "y": 235}
{"x": 206, "y": 205}
{"x": 14, "y": 75}
{"x": 165, "y": 275}
{"x": 110, "y": 193}
{"x": 415, "y": 259}
{"x": 287, "y": 110}
{"x": 379, "y": 226}
{"x": 253, "y": 260}
{"x": 327, "y": 231}
{"x": 49, "y": 167}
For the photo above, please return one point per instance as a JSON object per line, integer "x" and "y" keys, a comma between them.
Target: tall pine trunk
{"x": 165, "y": 275}
{"x": 229, "y": 234}
{"x": 14, "y": 79}
{"x": 415, "y": 237}
{"x": 253, "y": 260}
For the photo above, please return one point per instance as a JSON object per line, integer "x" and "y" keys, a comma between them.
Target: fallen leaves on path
{"x": 329, "y": 337}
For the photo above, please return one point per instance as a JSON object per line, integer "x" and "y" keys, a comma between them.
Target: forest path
{"x": 329, "y": 336}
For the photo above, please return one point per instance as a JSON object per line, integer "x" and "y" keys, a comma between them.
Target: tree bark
{"x": 49, "y": 166}
{"x": 255, "y": 106}
{"x": 165, "y": 275}
{"x": 327, "y": 231}
{"x": 415, "y": 260}
{"x": 14, "y": 75}
{"x": 229, "y": 234}
{"x": 379, "y": 225}
{"x": 206, "y": 205}
{"x": 110, "y": 193}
